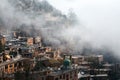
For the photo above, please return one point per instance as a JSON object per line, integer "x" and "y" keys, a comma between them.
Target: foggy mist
{"x": 98, "y": 25}
{"x": 98, "y": 21}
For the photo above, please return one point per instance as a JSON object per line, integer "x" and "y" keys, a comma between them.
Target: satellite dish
{"x": 82, "y": 73}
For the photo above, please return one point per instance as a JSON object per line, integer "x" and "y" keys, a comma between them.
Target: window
{"x": 6, "y": 66}
{"x": 56, "y": 78}
{"x": 64, "y": 76}
{"x": 11, "y": 65}
{"x": 60, "y": 76}
{"x": 42, "y": 78}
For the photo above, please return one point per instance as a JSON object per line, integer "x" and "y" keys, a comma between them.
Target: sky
{"x": 100, "y": 18}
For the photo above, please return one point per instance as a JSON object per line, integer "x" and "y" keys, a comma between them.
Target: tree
{"x": 72, "y": 17}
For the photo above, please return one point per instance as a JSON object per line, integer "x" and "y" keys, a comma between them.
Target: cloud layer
{"x": 99, "y": 21}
